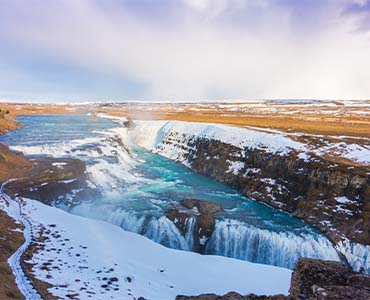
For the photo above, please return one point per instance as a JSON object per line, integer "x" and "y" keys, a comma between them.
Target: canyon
{"x": 321, "y": 180}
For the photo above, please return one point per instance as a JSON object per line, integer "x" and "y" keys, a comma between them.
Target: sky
{"x": 176, "y": 50}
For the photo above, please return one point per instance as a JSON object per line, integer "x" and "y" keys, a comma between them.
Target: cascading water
{"x": 235, "y": 239}
{"x": 138, "y": 187}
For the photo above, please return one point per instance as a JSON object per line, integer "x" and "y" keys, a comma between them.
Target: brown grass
{"x": 10, "y": 242}
{"x": 12, "y": 165}
{"x": 326, "y": 120}
{"x": 8, "y": 124}
{"x": 302, "y": 124}
{"x": 304, "y": 119}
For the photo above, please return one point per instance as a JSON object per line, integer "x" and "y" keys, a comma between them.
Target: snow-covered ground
{"x": 152, "y": 134}
{"x": 96, "y": 260}
{"x": 101, "y": 115}
{"x": 13, "y": 208}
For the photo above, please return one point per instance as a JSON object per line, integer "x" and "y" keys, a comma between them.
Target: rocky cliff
{"x": 332, "y": 196}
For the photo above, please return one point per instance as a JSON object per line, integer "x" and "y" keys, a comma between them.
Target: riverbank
{"x": 7, "y": 120}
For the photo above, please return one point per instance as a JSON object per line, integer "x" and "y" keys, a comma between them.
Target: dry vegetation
{"x": 12, "y": 165}
{"x": 330, "y": 118}
{"x": 10, "y": 241}
{"x": 7, "y": 123}
{"x": 324, "y": 120}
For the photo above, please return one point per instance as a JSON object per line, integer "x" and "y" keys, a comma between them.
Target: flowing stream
{"x": 137, "y": 187}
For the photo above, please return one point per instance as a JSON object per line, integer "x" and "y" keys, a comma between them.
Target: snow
{"x": 340, "y": 209}
{"x": 153, "y": 135}
{"x": 68, "y": 181}
{"x": 59, "y": 164}
{"x": 354, "y": 152}
{"x": 138, "y": 266}
{"x": 344, "y": 200}
{"x": 106, "y": 116}
{"x": 251, "y": 171}
{"x": 149, "y": 134}
{"x": 270, "y": 181}
{"x": 13, "y": 209}
{"x": 235, "y": 167}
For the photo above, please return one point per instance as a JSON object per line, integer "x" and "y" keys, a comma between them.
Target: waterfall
{"x": 357, "y": 255}
{"x": 239, "y": 240}
{"x": 163, "y": 231}
{"x": 232, "y": 238}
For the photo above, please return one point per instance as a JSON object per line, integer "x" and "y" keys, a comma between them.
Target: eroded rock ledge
{"x": 203, "y": 214}
{"x": 311, "y": 280}
{"x": 49, "y": 180}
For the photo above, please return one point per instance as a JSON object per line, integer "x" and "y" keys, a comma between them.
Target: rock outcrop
{"x": 311, "y": 280}
{"x": 327, "y": 280}
{"x": 202, "y": 213}
{"x": 51, "y": 181}
{"x": 12, "y": 164}
{"x": 232, "y": 296}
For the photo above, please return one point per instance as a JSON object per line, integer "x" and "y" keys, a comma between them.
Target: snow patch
{"x": 235, "y": 167}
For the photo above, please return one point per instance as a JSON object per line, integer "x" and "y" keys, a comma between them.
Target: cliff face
{"x": 333, "y": 197}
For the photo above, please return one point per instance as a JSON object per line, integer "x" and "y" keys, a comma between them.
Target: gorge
{"x": 139, "y": 190}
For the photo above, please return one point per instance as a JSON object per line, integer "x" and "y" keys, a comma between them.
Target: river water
{"x": 137, "y": 187}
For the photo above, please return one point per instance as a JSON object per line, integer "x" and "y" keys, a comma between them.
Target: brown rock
{"x": 179, "y": 218}
{"x": 51, "y": 180}
{"x": 327, "y": 280}
{"x": 204, "y": 207}
{"x": 232, "y": 296}
{"x": 204, "y": 215}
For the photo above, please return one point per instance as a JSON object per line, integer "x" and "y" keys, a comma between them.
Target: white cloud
{"x": 203, "y": 59}
{"x": 213, "y": 8}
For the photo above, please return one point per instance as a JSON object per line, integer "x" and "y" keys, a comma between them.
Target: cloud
{"x": 203, "y": 49}
{"x": 214, "y": 8}
{"x": 359, "y": 10}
